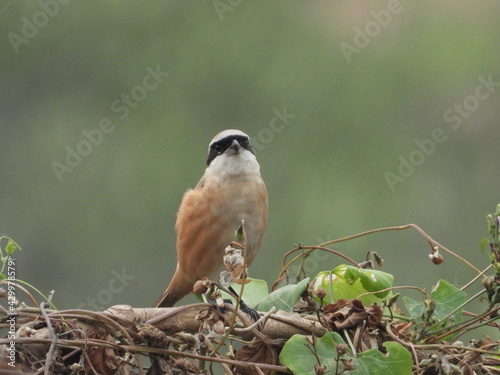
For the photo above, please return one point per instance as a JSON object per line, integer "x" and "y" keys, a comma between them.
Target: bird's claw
{"x": 252, "y": 313}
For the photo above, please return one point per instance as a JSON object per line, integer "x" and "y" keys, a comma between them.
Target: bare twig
{"x": 433, "y": 243}
{"x": 482, "y": 273}
{"x": 394, "y": 288}
{"x": 238, "y": 298}
{"x": 309, "y": 250}
{"x": 23, "y": 289}
{"x": 53, "y": 338}
{"x": 259, "y": 323}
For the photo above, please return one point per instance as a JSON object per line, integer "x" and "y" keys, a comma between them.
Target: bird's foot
{"x": 252, "y": 313}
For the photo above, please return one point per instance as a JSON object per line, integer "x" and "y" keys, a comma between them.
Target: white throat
{"x": 241, "y": 165}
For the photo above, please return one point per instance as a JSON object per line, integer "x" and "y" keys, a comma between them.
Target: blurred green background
{"x": 361, "y": 82}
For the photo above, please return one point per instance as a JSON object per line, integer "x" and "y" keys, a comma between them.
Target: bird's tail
{"x": 178, "y": 288}
{"x": 166, "y": 300}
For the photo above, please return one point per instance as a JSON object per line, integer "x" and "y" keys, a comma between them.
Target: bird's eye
{"x": 244, "y": 143}
{"x": 218, "y": 148}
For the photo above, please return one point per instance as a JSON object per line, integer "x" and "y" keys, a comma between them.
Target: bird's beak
{"x": 234, "y": 148}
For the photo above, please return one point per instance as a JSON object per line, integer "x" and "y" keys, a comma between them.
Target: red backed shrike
{"x": 231, "y": 190}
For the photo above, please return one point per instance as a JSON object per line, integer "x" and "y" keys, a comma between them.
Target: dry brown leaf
{"x": 348, "y": 313}
{"x": 257, "y": 351}
{"x": 374, "y": 316}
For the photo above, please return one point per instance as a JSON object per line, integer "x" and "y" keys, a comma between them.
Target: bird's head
{"x": 230, "y": 152}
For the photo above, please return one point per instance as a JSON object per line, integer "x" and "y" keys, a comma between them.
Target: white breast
{"x": 239, "y": 193}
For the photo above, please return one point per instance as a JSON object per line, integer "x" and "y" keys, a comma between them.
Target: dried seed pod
{"x": 435, "y": 257}
{"x": 199, "y": 287}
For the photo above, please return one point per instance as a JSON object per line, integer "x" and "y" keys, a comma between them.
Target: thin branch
{"x": 23, "y": 289}
{"x": 52, "y": 335}
{"x": 238, "y": 299}
{"x": 394, "y": 288}
{"x": 482, "y": 273}
{"x": 429, "y": 239}
{"x": 310, "y": 249}
{"x": 261, "y": 322}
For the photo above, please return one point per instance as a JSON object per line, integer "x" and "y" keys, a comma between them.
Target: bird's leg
{"x": 254, "y": 314}
{"x": 214, "y": 298}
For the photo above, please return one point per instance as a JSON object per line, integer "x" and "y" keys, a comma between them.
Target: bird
{"x": 230, "y": 191}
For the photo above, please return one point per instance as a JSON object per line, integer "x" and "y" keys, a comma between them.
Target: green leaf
{"x": 374, "y": 280}
{"x": 447, "y": 298}
{"x": 284, "y": 298}
{"x": 11, "y": 247}
{"x": 397, "y": 361}
{"x": 484, "y": 243}
{"x": 347, "y": 282}
{"x": 298, "y": 357}
{"x": 415, "y": 308}
{"x": 253, "y": 293}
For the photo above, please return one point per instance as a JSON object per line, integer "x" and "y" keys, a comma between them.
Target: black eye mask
{"x": 219, "y": 147}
